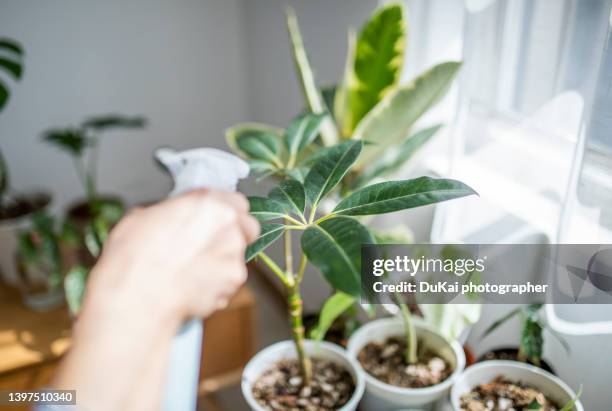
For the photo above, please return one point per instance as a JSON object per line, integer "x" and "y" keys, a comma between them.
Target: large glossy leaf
{"x": 269, "y": 234}
{"x": 71, "y": 140}
{"x": 75, "y": 283}
{"x": 302, "y": 131}
{"x": 329, "y": 133}
{"x": 333, "y": 308}
{"x": 395, "y": 159}
{"x": 233, "y": 133}
{"x": 392, "y": 196}
{"x": 390, "y": 120}
{"x": 377, "y": 64}
{"x": 334, "y": 247}
{"x": 328, "y": 170}
{"x": 260, "y": 145}
{"x": 265, "y": 209}
{"x": 290, "y": 195}
{"x": 110, "y": 121}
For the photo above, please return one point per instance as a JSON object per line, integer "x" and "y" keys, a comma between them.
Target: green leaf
{"x": 101, "y": 123}
{"x": 72, "y": 140}
{"x": 334, "y": 247}
{"x": 534, "y": 405}
{"x": 75, "y": 283}
{"x": 333, "y": 308}
{"x": 269, "y": 234}
{"x": 500, "y": 321}
{"x": 265, "y": 209}
{"x": 327, "y": 172}
{"x": 232, "y": 134}
{"x": 12, "y": 67}
{"x": 377, "y": 65}
{"x": 11, "y": 45}
{"x": 390, "y": 120}
{"x": 532, "y": 342}
{"x": 4, "y": 95}
{"x": 393, "y": 196}
{"x": 261, "y": 145}
{"x": 395, "y": 159}
{"x": 290, "y": 194}
{"x": 302, "y": 131}
{"x": 329, "y": 133}
{"x": 570, "y": 405}
{"x": 329, "y": 95}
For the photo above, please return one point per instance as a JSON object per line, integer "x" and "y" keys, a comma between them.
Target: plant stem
{"x": 276, "y": 269}
{"x": 297, "y": 329}
{"x": 293, "y": 220}
{"x": 301, "y": 269}
{"x": 288, "y": 254}
{"x": 411, "y": 340}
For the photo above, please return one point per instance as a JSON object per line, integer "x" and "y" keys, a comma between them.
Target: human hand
{"x": 184, "y": 255}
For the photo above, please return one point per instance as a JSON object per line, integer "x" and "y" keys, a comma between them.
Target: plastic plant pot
{"x": 267, "y": 357}
{"x": 484, "y": 372}
{"x": 380, "y": 396}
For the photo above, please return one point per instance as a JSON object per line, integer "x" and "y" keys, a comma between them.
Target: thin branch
{"x": 275, "y": 269}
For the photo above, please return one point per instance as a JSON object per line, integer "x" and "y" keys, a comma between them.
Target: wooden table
{"x": 31, "y": 343}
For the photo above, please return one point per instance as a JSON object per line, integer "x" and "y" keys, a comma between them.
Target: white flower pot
{"x": 264, "y": 360}
{"x": 486, "y": 371}
{"x": 380, "y": 396}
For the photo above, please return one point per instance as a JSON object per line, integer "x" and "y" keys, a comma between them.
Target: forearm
{"x": 117, "y": 342}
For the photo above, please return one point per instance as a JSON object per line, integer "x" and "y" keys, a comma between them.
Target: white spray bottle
{"x": 191, "y": 170}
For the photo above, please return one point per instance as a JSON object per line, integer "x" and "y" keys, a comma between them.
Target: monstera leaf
{"x": 334, "y": 247}
{"x": 11, "y": 56}
{"x": 376, "y": 67}
{"x": 391, "y": 119}
{"x": 391, "y": 196}
{"x": 71, "y": 139}
{"x": 109, "y": 121}
{"x": 314, "y": 98}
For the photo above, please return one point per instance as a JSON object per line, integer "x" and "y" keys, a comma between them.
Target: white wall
{"x": 181, "y": 63}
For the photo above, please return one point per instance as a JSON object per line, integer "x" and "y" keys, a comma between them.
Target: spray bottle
{"x": 191, "y": 170}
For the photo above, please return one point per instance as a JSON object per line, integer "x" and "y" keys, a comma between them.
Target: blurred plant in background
{"x": 91, "y": 220}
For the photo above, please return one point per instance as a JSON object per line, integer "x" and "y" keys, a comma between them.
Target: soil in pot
{"x": 386, "y": 362}
{"x": 502, "y": 394}
{"x": 21, "y": 205}
{"x": 511, "y": 354}
{"x": 281, "y": 387}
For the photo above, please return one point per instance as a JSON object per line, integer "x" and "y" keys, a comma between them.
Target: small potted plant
{"x": 531, "y": 345}
{"x": 511, "y": 385}
{"x": 82, "y": 144}
{"x": 16, "y": 208}
{"x": 407, "y": 363}
{"x": 39, "y": 264}
{"x": 302, "y": 371}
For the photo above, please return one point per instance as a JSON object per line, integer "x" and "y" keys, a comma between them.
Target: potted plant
{"x": 16, "y": 208}
{"x": 499, "y": 384}
{"x": 82, "y": 144}
{"x": 331, "y": 241}
{"x": 39, "y": 264}
{"x": 406, "y": 363}
{"x": 370, "y": 104}
{"x": 531, "y": 345}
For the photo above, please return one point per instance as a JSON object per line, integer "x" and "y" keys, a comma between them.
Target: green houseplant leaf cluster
{"x": 11, "y": 65}
{"x": 370, "y": 104}
{"x": 331, "y": 241}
